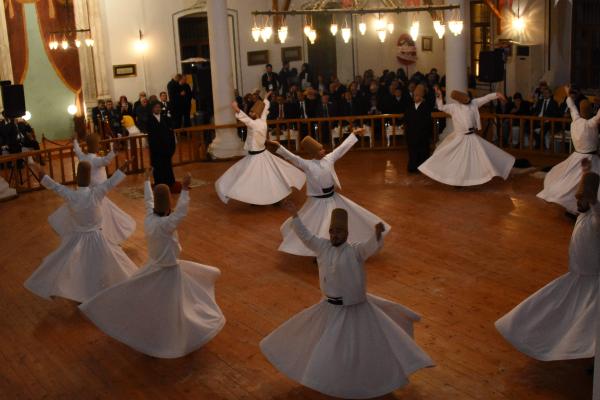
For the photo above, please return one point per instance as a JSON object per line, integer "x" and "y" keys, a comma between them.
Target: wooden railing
{"x": 383, "y": 132}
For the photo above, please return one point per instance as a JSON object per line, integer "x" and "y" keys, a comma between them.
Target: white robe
{"x": 466, "y": 160}
{"x": 167, "y": 309}
{"x": 558, "y": 322}
{"x": 316, "y": 212}
{"x": 560, "y": 184}
{"x": 116, "y": 224}
{"x": 86, "y": 262}
{"x": 361, "y": 349}
{"x": 258, "y": 178}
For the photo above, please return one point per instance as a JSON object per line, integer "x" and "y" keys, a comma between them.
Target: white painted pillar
{"x": 100, "y": 50}
{"x": 86, "y": 59}
{"x": 456, "y": 57}
{"x": 227, "y": 143}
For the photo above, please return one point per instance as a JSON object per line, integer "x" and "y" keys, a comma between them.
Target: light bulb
{"x": 414, "y": 30}
{"x": 439, "y": 28}
{"x": 381, "y": 34}
{"x": 362, "y": 28}
{"x": 72, "y": 109}
{"x": 312, "y": 36}
{"x": 346, "y": 34}
{"x": 266, "y": 33}
{"x": 379, "y": 24}
{"x": 64, "y": 44}
{"x": 77, "y": 43}
{"x": 333, "y": 29}
{"x": 89, "y": 42}
{"x": 27, "y": 116}
{"x": 518, "y": 24}
{"x": 256, "y": 33}
{"x": 390, "y": 27}
{"x": 307, "y": 30}
{"x": 282, "y": 33}
{"x": 455, "y": 27}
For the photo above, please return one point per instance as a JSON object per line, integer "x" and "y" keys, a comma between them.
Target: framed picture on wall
{"x": 258, "y": 57}
{"x": 291, "y": 53}
{"x": 124, "y": 70}
{"x": 426, "y": 43}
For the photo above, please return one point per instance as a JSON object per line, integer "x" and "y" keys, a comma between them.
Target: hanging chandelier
{"x": 70, "y": 38}
{"x": 358, "y": 8}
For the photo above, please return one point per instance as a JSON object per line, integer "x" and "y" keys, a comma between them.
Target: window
{"x": 480, "y": 32}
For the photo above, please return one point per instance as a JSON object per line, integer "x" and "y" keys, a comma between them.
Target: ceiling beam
{"x": 382, "y": 10}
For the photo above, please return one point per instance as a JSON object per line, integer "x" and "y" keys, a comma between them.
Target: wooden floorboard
{"x": 459, "y": 257}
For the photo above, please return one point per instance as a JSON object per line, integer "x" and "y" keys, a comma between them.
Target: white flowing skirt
{"x": 84, "y": 264}
{"x": 353, "y": 352}
{"x": 560, "y": 184}
{"x": 467, "y": 160}
{"x": 316, "y": 216}
{"x": 558, "y": 322}
{"x": 259, "y": 179}
{"x": 117, "y": 225}
{"x": 164, "y": 312}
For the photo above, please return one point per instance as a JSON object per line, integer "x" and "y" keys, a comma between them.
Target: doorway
{"x": 322, "y": 55}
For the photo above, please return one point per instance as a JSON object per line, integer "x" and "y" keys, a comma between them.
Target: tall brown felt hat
{"x": 461, "y": 97}
{"x": 84, "y": 173}
{"x": 311, "y": 146}
{"x": 339, "y": 219}
{"x": 93, "y": 143}
{"x": 162, "y": 199}
{"x": 258, "y": 108}
{"x": 585, "y": 109}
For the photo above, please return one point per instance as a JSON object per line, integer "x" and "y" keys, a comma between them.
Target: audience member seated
{"x": 548, "y": 108}
{"x": 99, "y": 113}
{"x": 512, "y": 128}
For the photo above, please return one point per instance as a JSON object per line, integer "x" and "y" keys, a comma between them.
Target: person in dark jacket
{"x": 418, "y": 126}
{"x": 161, "y": 142}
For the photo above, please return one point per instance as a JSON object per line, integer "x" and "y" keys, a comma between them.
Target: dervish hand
{"x": 187, "y": 181}
{"x": 148, "y": 173}
{"x": 235, "y": 107}
{"x": 38, "y": 170}
{"x": 359, "y": 131}
{"x": 501, "y": 97}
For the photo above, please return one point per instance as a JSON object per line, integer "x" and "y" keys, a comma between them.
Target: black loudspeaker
{"x": 491, "y": 66}
{"x": 13, "y": 98}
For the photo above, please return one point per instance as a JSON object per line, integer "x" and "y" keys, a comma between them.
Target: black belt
{"x": 253, "y": 153}
{"x": 471, "y": 131}
{"x": 328, "y": 192}
{"x": 591, "y": 152}
{"x": 336, "y": 301}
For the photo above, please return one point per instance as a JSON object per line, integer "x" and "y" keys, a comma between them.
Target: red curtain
{"x": 17, "y": 37}
{"x": 53, "y": 16}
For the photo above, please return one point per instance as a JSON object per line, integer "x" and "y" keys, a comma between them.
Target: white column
{"x": 6, "y": 73}
{"x": 227, "y": 143}
{"x": 86, "y": 59}
{"x": 456, "y": 57}
{"x": 100, "y": 52}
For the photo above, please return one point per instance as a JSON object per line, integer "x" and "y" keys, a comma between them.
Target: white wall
{"x": 157, "y": 19}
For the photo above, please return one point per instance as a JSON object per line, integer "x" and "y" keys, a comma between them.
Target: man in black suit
{"x": 185, "y": 101}
{"x": 173, "y": 90}
{"x": 99, "y": 113}
{"x": 284, "y": 77}
{"x": 418, "y": 126}
{"x": 544, "y": 107}
{"x": 165, "y": 104}
{"x": 161, "y": 142}
{"x": 270, "y": 80}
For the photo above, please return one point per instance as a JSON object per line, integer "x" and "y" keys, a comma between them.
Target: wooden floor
{"x": 460, "y": 258}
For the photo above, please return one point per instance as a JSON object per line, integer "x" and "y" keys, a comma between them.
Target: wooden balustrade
{"x": 516, "y": 134}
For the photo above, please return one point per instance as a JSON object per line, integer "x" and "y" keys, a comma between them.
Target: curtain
{"x": 17, "y": 38}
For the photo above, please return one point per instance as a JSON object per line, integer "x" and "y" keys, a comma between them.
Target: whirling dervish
{"x": 86, "y": 262}
{"x": 561, "y": 182}
{"x": 351, "y": 344}
{"x": 464, "y": 158}
{"x": 168, "y": 308}
{"x": 559, "y": 321}
{"x": 322, "y": 196}
{"x": 117, "y": 225}
{"x": 259, "y": 178}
